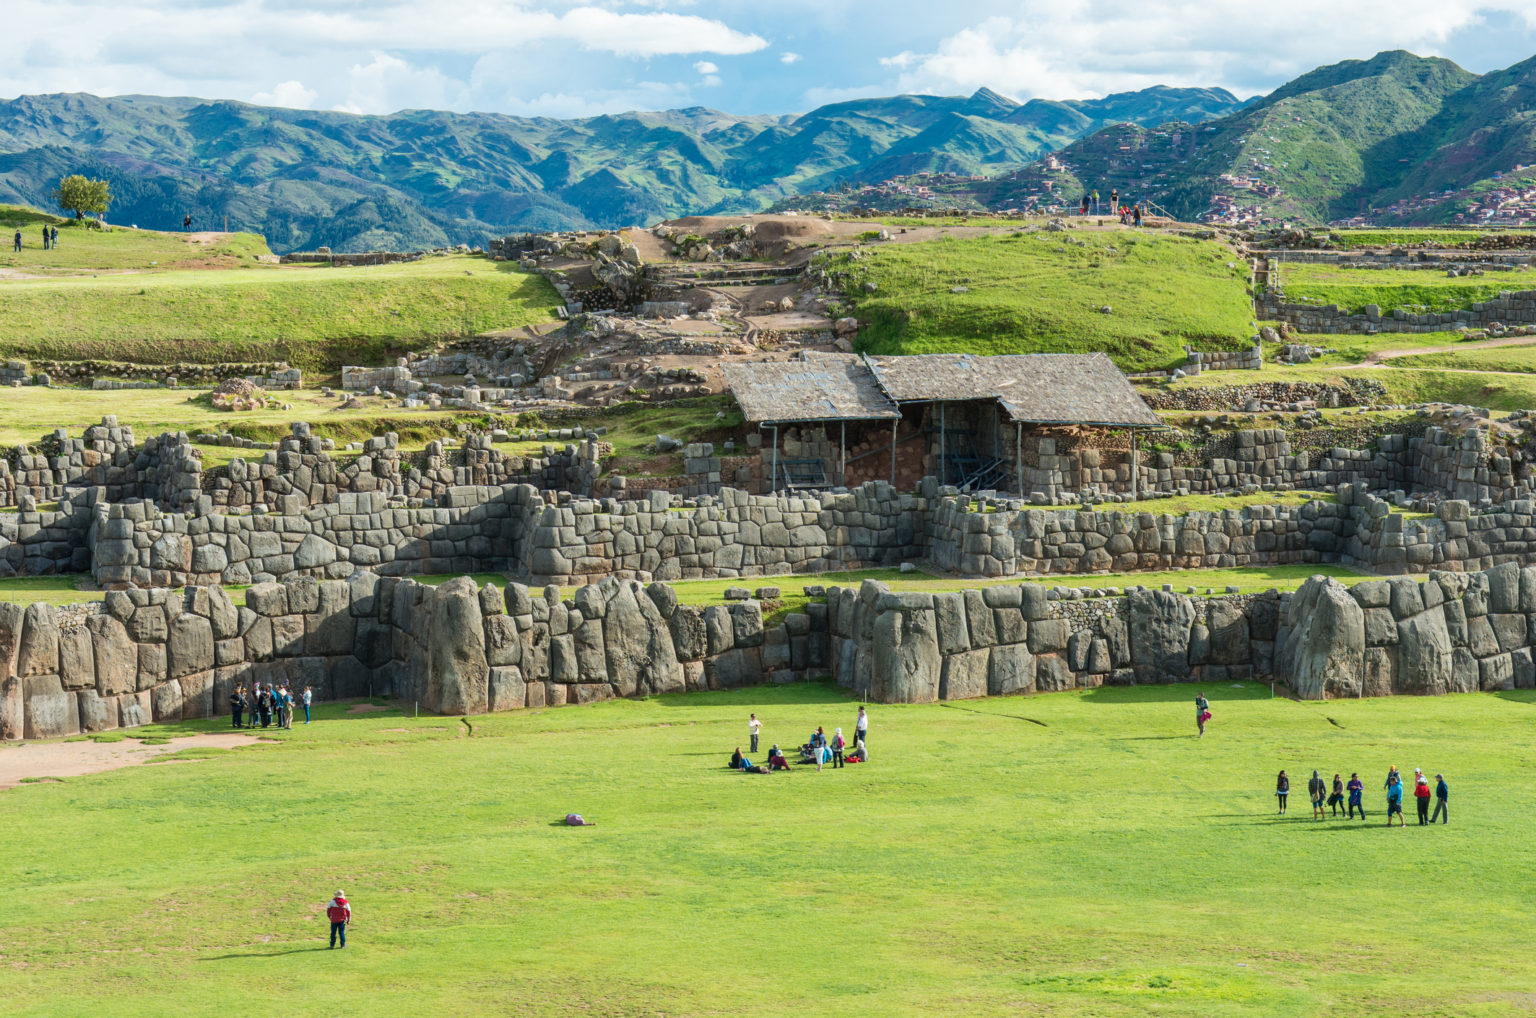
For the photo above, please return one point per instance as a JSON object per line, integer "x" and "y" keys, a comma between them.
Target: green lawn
{"x": 1499, "y": 358}
{"x": 1404, "y": 385}
{"x": 1407, "y": 237}
{"x": 1411, "y": 289}
{"x": 1098, "y": 861}
{"x": 1037, "y": 293}
{"x": 117, "y": 247}
{"x": 315, "y": 317}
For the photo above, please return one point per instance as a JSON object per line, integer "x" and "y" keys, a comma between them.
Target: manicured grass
{"x": 1099, "y": 862}
{"x": 1499, "y": 358}
{"x": 1404, "y": 237}
{"x": 1411, "y": 289}
{"x": 312, "y": 317}
{"x": 53, "y": 589}
{"x": 117, "y": 248}
{"x": 1037, "y": 293}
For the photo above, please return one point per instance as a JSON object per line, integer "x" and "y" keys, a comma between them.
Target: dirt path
{"x": 60, "y": 759}
{"x": 1377, "y": 356}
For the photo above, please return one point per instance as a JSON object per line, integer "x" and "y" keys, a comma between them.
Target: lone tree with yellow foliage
{"x": 80, "y": 194}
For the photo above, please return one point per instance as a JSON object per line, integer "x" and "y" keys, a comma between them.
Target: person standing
{"x": 53, "y": 236}
{"x": 819, "y": 746}
{"x": 837, "y": 748}
{"x": 754, "y": 729}
{"x": 264, "y": 703}
{"x": 186, "y": 222}
{"x": 1356, "y": 795}
{"x": 1282, "y": 789}
{"x": 45, "y": 238}
{"x": 1442, "y": 796}
{"x": 236, "y": 706}
{"x": 861, "y": 727}
{"x": 1202, "y": 713}
{"x": 17, "y": 241}
{"x": 1336, "y": 800}
{"x": 308, "y": 696}
{"x": 339, "y": 912}
{"x": 1085, "y": 203}
{"x": 1395, "y": 797}
{"x": 1136, "y": 214}
{"x": 1421, "y": 796}
{"x": 1317, "y": 790}
{"x": 1095, "y": 201}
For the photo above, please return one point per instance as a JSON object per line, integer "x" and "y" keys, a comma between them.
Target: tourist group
{"x": 819, "y": 749}
{"x": 1323, "y": 798}
{"x": 267, "y": 704}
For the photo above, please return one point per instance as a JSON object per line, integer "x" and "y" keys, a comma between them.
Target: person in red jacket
{"x": 340, "y": 914}
{"x": 1421, "y": 795}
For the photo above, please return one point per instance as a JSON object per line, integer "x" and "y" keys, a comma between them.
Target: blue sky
{"x": 552, "y": 58}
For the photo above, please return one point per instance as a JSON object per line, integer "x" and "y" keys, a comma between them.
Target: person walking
{"x": 1202, "y": 713}
{"x": 837, "y": 748}
{"x": 339, "y": 912}
{"x": 1336, "y": 800}
{"x": 308, "y": 696}
{"x": 1421, "y": 796}
{"x": 1282, "y": 789}
{"x": 1317, "y": 790}
{"x": 1395, "y": 797}
{"x": 861, "y": 727}
{"x": 1442, "y": 796}
{"x": 236, "y": 706}
{"x": 1356, "y": 795}
{"x": 754, "y": 729}
{"x": 186, "y": 222}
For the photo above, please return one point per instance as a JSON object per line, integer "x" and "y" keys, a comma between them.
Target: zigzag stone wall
{"x": 147, "y": 655}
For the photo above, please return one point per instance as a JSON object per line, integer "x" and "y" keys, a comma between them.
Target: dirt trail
{"x": 1377, "y": 356}
{"x": 71, "y": 759}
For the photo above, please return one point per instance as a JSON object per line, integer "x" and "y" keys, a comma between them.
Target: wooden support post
{"x": 1135, "y": 467}
{"x": 842, "y": 454}
{"x": 894, "y": 425}
{"x": 943, "y": 445}
{"x": 1018, "y": 454}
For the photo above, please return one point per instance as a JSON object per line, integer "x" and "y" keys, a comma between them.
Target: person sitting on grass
{"x": 776, "y": 761}
{"x": 737, "y": 760}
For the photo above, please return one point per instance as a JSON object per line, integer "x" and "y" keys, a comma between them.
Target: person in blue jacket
{"x": 1442, "y": 796}
{"x": 1395, "y": 797}
{"x": 1356, "y": 789}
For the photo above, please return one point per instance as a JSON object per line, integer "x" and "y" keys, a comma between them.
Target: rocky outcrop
{"x": 1325, "y": 653}
{"x": 458, "y": 682}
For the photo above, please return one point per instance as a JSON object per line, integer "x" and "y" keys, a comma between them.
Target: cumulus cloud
{"x": 1090, "y": 47}
{"x": 292, "y": 94}
{"x": 789, "y": 58}
{"x": 706, "y": 67}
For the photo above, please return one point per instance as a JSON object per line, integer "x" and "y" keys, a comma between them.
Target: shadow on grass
{"x": 267, "y": 954}
{"x": 1216, "y": 692}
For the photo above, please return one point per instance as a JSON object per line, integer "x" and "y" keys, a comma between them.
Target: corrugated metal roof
{"x": 820, "y": 387}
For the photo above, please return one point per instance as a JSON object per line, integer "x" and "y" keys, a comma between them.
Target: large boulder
{"x": 50, "y": 710}
{"x": 457, "y": 670}
{"x": 1424, "y": 657}
{"x": 1160, "y": 623}
{"x": 37, "y": 653}
{"x": 638, "y": 643}
{"x": 189, "y": 647}
{"x": 1325, "y": 653}
{"x": 117, "y": 656}
{"x": 907, "y": 663}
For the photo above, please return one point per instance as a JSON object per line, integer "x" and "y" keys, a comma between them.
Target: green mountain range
{"x": 423, "y": 178}
{"x": 1398, "y": 138}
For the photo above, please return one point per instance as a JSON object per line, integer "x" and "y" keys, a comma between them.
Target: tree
{"x": 80, "y": 194}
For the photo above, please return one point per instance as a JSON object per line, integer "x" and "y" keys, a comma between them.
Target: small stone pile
{"x": 235, "y": 394}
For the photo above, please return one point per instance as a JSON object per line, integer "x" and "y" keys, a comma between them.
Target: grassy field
{"x": 1403, "y": 385}
{"x": 312, "y": 317}
{"x": 1499, "y": 358}
{"x": 117, "y": 248}
{"x": 1403, "y": 237}
{"x": 1034, "y": 293}
{"x": 1099, "y": 861}
{"x": 1412, "y": 289}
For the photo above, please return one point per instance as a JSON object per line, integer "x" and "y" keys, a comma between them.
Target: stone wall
{"x": 1451, "y": 632}
{"x": 156, "y": 655}
{"x": 267, "y": 374}
{"x": 1508, "y": 308}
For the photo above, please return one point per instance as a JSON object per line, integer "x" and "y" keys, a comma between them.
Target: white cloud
{"x": 789, "y": 58}
{"x": 292, "y": 94}
{"x": 1090, "y": 47}
{"x": 706, "y": 67}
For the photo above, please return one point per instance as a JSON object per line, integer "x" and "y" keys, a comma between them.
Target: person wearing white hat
{"x": 339, "y": 912}
{"x": 837, "y": 748}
